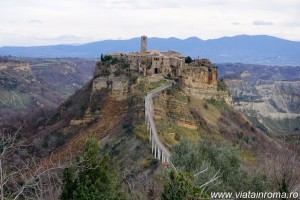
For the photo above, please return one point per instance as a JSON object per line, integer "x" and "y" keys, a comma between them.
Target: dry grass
{"x": 209, "y": 112}
{"x": 111, "y": 120}
{"x": 154, "y": 85}
{"x": 140, "y": 131}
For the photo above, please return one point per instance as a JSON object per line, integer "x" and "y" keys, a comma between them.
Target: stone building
{"x": 166, "y": 64}
{"x": 200, "y": 77}
{"x": 153, "y": 62}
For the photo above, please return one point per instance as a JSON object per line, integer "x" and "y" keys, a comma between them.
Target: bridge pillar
{"x": 159, "y": 153}
{"x": 152, "y": 145}
{"x": 150, "y": 133}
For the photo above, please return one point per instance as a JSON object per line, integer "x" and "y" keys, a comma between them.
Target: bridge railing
{"x": 158, "y": 149}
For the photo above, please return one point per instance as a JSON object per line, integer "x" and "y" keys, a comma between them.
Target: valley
{"x": 32, "y": 83}
{"x": 268, "y": 95}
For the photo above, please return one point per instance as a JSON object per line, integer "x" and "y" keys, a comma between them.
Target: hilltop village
{"x": 199, "y": 76}
{"x": 166, "y": 64}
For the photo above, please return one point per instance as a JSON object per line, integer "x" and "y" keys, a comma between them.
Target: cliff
{"x": 202, "y": 83}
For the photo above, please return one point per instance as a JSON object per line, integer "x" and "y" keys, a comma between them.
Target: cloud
{"x": 292, "y": 24}
{"x": 64, "y": 39}
{"x": 75, "y": 21}
{"x": 35, "y": 21}
{"x": 262, "y": 23}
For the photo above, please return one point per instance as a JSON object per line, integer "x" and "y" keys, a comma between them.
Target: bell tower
{"x": 143, "y": 44}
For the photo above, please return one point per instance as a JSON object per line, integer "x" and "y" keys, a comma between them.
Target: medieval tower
{"x": 143, "y": 44}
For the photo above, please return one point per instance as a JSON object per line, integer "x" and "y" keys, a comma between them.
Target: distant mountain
{"x": 260, "y": 49}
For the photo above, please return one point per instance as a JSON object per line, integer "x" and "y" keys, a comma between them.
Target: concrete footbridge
{"x": 158, "y": 149}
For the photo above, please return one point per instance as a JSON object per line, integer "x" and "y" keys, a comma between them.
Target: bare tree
{"x": 283, "y": 168}
{"x": 24, "y": 178}
{"x": 142, "y": 184}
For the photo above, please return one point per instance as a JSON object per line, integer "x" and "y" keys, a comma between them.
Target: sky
{"x": 48, "y": 22}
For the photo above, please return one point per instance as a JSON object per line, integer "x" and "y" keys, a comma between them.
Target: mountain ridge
{"x": 257, "y": 49}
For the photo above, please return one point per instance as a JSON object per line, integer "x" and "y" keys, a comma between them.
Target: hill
{"x": 260, "y": 49}
{"x": 29, "y": 83}
{"x": 115, "y": 117}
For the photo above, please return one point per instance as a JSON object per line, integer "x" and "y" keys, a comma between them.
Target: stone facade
{"x": 167, "y": 64}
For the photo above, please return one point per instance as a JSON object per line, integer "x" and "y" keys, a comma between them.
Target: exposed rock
{"x": 201, "y": 82}
{"x": 119, "y": 86}
{"x": 274, "y": 99}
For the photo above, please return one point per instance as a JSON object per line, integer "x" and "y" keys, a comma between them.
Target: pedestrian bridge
{"x": 158, "y": 149}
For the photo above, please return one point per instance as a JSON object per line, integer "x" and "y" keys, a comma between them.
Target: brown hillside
{"x": 111, "y": 118}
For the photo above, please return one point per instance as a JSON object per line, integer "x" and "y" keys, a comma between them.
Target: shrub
{"x": 205, "y": 105}
{"x": 194, "y": 158}
{"x": 91, "y": 178}
{"x": 222, "y": 86}
{"x": 188, "y": 60}
{"x": 133, "y": 78}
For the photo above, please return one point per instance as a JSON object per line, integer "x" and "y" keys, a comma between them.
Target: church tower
{"x": 143, "y": 44}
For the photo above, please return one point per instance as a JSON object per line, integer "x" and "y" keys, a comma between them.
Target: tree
{"x": 21, "y": 178}
{"x": 188, "y": 60}
{"x": 283, "y": 169}
{"x": 221, "y": 160}
{"x": 180, "y": 186}
{"x": 91, "y": 178}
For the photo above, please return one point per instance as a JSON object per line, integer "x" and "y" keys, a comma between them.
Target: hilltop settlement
{"x": 199, "y": 76}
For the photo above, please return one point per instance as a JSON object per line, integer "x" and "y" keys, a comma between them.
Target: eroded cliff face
{"x": 202, "y": 83}
{"x": 274, "y": 99}
{"x": 197, "y": 76}
{"x": 272, "y": 104}
{"x": 119, "y": 87}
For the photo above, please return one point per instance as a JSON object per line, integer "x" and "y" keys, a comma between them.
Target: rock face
{"x": 200, "y": 79}
{"x": 113, "y": 78}
{"x": 269, "y": 96}
{"x": 118, "y": 86}
{"x": 202, "y": 82}
{"x": 198, "y": 76}
{"x": 274, "y": 99}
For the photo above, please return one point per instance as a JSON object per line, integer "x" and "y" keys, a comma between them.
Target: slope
{"x": 115, "y": 116}
{"x": 38, "y": 83}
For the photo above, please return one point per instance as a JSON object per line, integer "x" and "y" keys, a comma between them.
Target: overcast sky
{"x": 43, "y": 22}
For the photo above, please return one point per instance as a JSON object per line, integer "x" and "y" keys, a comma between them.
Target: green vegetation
{"x": 222, "y": 86}
{"x": 133, "y": 78}
{"x": 217, "y": 104}
{"x": 170, "y": 132}
{"x": 15, "y": 99}
{"x": 154, "y": 85}
{"x": 282, "y": 126}
{"x": 222, "y": 160}
{"x": 140, "y": 132}
{"x": 180, "y": 186}
{"x": 108, "y": 59}
{"x": 91, "y": 177}
{"x": 188, "y": 60}
{"x": 124, "y": 65}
